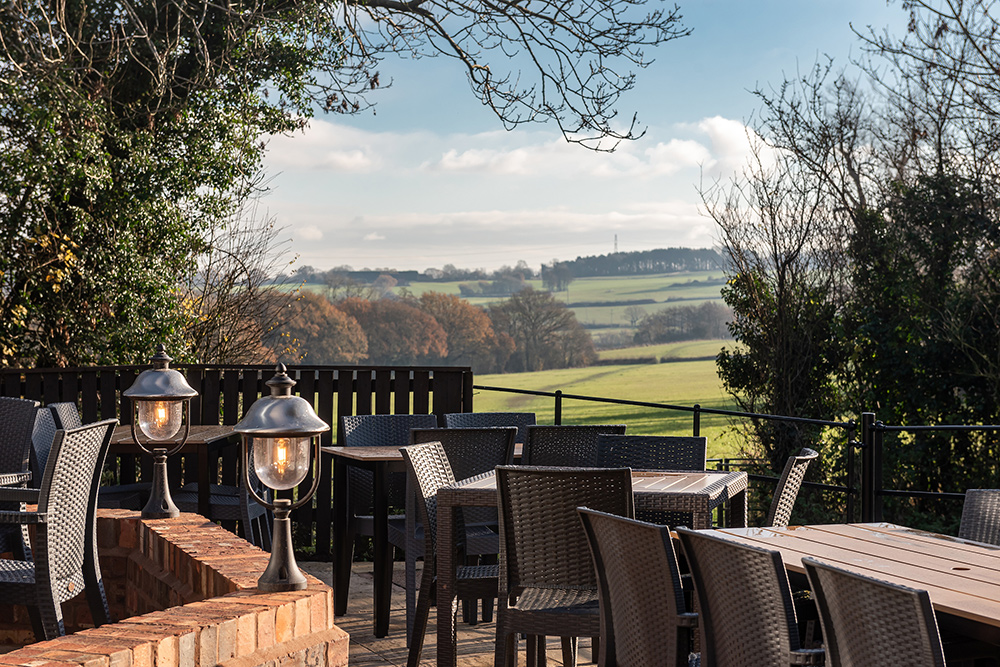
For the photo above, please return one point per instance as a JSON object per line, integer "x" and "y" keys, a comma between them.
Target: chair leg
{"x": 595, "y": 649}
{"x": 424, "y": 600}
{"x": 569, "y": 646}
{"x": 505, "y": 648}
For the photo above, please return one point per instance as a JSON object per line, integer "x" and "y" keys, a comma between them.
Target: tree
{"x": 232, "y": 305}
{"x": 557, "y": 277}
{"x": 397, "y": 332}
{"x": 536, "y": 321}
{"x": 633, "y": 314}
{"x": 471, "y": 339}
{"x": 318, "y": 333}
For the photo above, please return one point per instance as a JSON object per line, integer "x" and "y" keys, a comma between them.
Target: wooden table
{"x": 962, "y": 577}
{"x": 380, "y": 461}
{"x": 695, "y": 492}
{"x": 202, "y": 442}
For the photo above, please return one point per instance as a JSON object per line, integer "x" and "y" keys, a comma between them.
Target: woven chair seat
{"x": 557, "y": 601}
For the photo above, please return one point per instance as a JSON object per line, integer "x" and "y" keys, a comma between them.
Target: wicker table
{"x": 202, "y": 441}
{"x": 962, "y": 577}
{"x": 696, "y": 492}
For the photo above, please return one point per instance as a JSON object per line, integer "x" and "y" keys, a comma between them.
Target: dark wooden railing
{"x": 224, "y": 394}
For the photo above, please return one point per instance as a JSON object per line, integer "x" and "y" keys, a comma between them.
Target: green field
{"x": 692, "y": 349}
{"x": 681, "y": 383}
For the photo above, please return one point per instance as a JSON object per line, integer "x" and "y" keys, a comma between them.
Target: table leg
{"x": 383, "y": 551}
{"x": 342, "y": 547}
{"x": 447, "y": 601}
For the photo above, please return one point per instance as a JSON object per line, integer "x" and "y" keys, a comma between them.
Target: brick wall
{"x": 184, "y": 591}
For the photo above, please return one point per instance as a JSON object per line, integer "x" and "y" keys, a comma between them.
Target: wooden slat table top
{"x": 200, "y": 434}
{"x": 962, "y": 577}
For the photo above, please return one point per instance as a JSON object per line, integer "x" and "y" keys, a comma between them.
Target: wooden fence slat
{"x": 363, "y": 393}
{"x": 326, "y": 388}
{"x": 88, "y": 397}
{"x": 401, "y": 392}
{"x": 421, "y": 392}
{"x": 210, "y": 391}
{"x": 231, "y": 412}
{"x": 383, "y": 391}
{"x": 70, "y": 388}
{"x": 346, "y": 385}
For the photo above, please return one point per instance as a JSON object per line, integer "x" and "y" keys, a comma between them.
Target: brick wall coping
{"x": 203, "y": 579}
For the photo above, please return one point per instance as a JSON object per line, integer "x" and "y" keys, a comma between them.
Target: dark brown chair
{"x": 644, "y": 618}
{"x": 788, "y": 488}
{"x": 429, "y": 469}
{"x": 867, "y": 621}
{"x": 569, "y": 445}
{"x": 64, "y": 561}
{"x": 746, "y": 613}
{"x": 547, "y": 582}
{"x": 471, "y": 452}
{"x": 981, "y": 516}
{"x": 521, "y": 420}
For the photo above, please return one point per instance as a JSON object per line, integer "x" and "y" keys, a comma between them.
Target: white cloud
{"x": 308, "y": 233}
{"x": 374, "y": 236}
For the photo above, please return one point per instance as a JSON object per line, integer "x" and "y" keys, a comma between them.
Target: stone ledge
{"x": 185, "y": 591}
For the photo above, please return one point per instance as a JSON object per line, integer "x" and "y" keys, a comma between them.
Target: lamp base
{"x": 160, "y": 504}
{"x": 282, "y": 573}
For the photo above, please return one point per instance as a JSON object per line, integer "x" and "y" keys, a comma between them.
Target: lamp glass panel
{"x": 281, "y": 463}
{"x": 160, "y": 420}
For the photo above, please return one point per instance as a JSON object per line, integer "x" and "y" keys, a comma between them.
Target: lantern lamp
{"x": 279, "y": 430}
{"x": 160, "y": 397}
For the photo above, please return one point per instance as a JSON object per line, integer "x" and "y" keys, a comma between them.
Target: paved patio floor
{"x": 475, "y": 641}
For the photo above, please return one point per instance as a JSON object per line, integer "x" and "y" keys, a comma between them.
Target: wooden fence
{"x": 224, "y": 394}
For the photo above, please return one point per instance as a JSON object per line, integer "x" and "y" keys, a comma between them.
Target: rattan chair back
{"x": 66, "y": 415}
{"x": 867, "y": 621}
{"x": 981, "y": 516}
{"x": 569, "y": 446}
{"x": 746, "y": 614}
{"x": 644, "y": 618}
{"x": 429, "y": 469}
{"x": 651, "y": 452}
{"x": 480, "y": 419}
{"x": 471, "y": 451}
{"x": 65, "y": 558}
{"x": 41, "y": 442}
{"x": 17, "y": 421}
{"x": 787, "y": 490}
{"x": 378, "y": 431}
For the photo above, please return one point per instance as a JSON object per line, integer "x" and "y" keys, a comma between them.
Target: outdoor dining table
{"x": 381, "y": 461}
{"x": 203, "y": 441}
{"x": 662, "y": 491}
{"x": 962, "y": 577}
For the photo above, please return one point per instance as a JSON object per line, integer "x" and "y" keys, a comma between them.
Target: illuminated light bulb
{"x": 281, "y": 463}
{"x": 160, "y": 420}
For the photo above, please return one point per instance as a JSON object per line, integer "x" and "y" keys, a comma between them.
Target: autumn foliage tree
{"x": 471, "y": 338}
{"x": 546, "y": 332}
{"x": 397, "y": 332}
{"x": 319, "y": 333}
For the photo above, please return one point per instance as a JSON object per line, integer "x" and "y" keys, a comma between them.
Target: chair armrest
{"x": 23, "y": 518}
{"x": 18, "y": 495}
{"x": 809, "y": 656}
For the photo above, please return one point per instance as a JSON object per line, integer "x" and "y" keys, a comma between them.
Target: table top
{"x": 199, "y": 435}
{"x": 962, "y": 577}
{"x": 388, "y": 454}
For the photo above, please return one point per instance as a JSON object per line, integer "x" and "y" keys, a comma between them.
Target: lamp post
{"x": 278, "y": 429}
{"x": 160, "y": 398}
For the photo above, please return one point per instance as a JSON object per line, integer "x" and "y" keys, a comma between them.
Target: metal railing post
{"x": 867, "y": 467}
{"x": 877, "y": 477}
{"x": 852, "y": 443}
{"x": 558, "y": 416}
{"x": 697, "y": 420}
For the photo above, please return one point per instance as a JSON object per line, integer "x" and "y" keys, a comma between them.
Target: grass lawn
{"x": 681, "y": 383}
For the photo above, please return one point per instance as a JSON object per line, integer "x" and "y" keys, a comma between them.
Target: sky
{"x": 430, "y": 177}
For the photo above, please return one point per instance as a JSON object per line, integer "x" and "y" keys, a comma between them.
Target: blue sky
{"x": 432, "y": 178}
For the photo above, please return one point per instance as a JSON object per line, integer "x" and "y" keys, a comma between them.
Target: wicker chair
{"x": 788, "y": 488}
{"x": 871, "y": 622}
{"x": 547, "y": 582}
{"x": 574, "y": 446}
{"x": 17, "y": 426}
{"x": 429, "y": 469}
{"x": 471, "y": 452}
{"x": 65, "y": 555}
{"x": 521, "y": 420}
{"x": 377, "y": 431}
{"x": 644, "y": 618}
{"x": 981, "y": 516}
{"x": 747, "y": 617}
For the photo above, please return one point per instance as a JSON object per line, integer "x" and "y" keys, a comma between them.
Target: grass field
{"x": 680, "y": 383}
{"x": 692, "y": 349}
